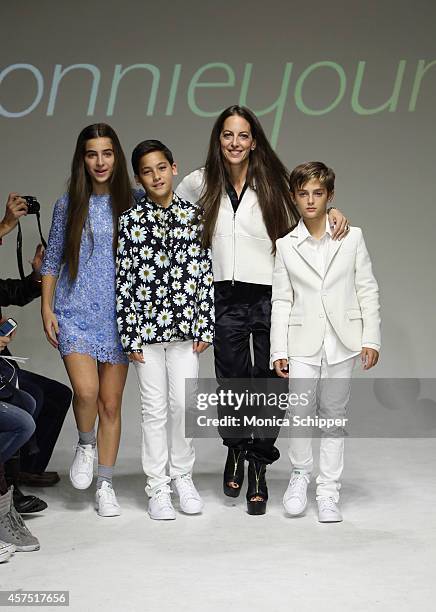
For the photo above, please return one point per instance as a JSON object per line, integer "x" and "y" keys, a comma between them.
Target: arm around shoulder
{"x": 191, "y": 186}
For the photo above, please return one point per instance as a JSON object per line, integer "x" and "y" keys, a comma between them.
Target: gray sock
{"x": 87, "y": 437}
{"x": 104, "y": 473}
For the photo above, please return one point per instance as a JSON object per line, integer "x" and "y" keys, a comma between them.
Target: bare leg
{"x": 83, "y": 374}
{"x": 112, "y": 378}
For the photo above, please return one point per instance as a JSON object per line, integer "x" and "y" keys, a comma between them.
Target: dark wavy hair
{"x": 80, "y": 190}
{"x": 266, "y": 175}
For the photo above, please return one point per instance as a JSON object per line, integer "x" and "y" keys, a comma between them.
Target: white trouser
{"x": 327, "y": 400}
{"x": 162, "y": 387}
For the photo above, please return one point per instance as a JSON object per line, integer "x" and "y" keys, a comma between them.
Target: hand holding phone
{"x": 7, "y": 327}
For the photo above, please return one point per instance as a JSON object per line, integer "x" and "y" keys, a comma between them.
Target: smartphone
{"x": 7, "y": 327}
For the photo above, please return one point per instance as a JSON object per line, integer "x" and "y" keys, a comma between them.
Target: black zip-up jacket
{"x": 17, "y": 292}
{"x": 164, "y": 283}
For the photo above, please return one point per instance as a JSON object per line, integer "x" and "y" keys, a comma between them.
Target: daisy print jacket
{"x": 164, "y": 283}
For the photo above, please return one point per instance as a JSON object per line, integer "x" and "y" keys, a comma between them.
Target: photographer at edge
{"x": 52, "y": 398}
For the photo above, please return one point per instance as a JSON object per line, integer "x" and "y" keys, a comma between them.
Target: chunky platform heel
{"x": 234, "y": 472}
{"x": 256, "y": 488}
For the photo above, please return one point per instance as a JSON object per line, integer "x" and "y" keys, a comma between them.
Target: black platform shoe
{"x": 256, "y": 487}
{"x": 234, "y": 472}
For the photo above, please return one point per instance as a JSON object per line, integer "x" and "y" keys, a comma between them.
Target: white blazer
{"x": 302, "y": 298}
{"x": 241, "y": 247}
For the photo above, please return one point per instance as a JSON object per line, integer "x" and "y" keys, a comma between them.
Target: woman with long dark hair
{"x": 244, "y": 192}
{"x": 79, "y": 273}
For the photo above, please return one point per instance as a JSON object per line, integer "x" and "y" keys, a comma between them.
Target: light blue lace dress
{"x": 86, "y": 308}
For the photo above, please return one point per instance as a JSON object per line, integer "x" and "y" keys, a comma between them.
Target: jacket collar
{"x": 144, "y": 199}
{"x": 299, "y": 235}
{"x": 303, "y": 233}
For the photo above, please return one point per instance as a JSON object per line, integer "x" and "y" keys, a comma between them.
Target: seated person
{"x": 16, "y": 427}
{"x": 52, "y": 398}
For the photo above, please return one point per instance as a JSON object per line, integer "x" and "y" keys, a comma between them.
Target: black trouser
{"x": 243, "y": 310}
{"x": 52, "y": 402}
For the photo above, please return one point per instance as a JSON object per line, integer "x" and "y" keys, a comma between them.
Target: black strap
{"x": 20, "y": 245}
{"x": 6, "y": 379}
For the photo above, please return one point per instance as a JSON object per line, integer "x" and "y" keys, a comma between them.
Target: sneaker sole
{"x": 108, "y": 514}
{"x": 192, "y": 512}
{"x": 11, "y": 548}
{"x": 27, "y": 548}
{"x": 161, "y": 518}
{"x": 5, "y": 555}
{"x": 338, "y": 520}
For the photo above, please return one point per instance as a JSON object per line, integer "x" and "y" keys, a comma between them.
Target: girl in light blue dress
{"x": 79, "y": 277}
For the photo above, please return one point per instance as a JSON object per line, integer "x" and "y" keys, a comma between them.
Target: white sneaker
{"x": 6, "y": 550}
{"x": 82, "y": 468}
{"x": 189, "y": 497}
{"x": 328, "y": 511}
{"x": 106, "y": 502}
{"x": 295, "y": 497}
{"x": 160, "y": 507}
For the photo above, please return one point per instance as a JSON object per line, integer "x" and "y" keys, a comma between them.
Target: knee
{"x": 153, "y": 413}
{"x": 27, "y": 426}
{"x": 177, "y": 408}
{"x": 85, "y": 396}
{"x": 109, "y": 410}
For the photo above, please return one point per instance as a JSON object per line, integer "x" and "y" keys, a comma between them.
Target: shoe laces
{"x": 186, "y": 487}
{"x": 328, "y": 503}
{"x": 298, "y": 483}
{"x": 163, "y": 498}
{"x": 18, "y": 523}
{"x": 86, "y": 455}
{"x": 7, "y": 521}
{"x": 108, "y": 493}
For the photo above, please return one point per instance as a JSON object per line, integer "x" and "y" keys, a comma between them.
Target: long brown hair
{"x": 80, "y": 190}
{"x": 266, "y": 174}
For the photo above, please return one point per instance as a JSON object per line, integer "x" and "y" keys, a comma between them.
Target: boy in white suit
{"x": 325, "y": 313}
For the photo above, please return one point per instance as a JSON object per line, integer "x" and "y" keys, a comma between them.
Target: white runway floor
{"x": 382, "y": 557}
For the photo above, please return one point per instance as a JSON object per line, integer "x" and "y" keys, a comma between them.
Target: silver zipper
{"x": 235, "y": 462}
{"x": 234, "y": 253}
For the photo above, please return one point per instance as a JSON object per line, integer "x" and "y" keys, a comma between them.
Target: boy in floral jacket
{"x": 165, "y": 318}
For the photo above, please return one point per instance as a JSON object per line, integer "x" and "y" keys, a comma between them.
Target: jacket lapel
{"x": 303, "y": 251}
{"x": 334, "y": 247}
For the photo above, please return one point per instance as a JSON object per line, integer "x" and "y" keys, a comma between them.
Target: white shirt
{"x": 335, "y": 351}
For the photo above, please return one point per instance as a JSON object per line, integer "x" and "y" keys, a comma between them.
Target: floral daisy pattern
{"x": 164, "y": 282}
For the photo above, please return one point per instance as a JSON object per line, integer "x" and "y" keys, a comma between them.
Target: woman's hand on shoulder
{"x": 339, "y": 224}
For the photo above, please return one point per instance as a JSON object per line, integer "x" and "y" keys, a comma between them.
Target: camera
{"x": 33, "y": 206}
